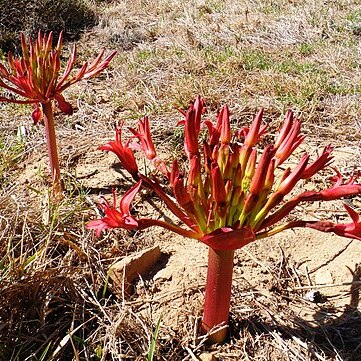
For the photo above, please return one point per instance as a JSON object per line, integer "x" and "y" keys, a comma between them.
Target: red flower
{"x": 336, "y": 191}
{"x": 123, "y": 152}
{"x": 349, "y": 230}
{"x": 290, "y": 181}
{"x": 180, "y": 191}
{"x": 146, "y": 144}
{"x": 233, "y": 196}
{"x": 288, "y": 139}
{"x": 255, "y": 131}
{"x": 320, "y": 163}
{"x": 218, "y": 191}
{"x": 114, "y": 218}
{"x": 192, "y": 126}
{"x": 145, "y": 138}
{"x": 36, "y": 78}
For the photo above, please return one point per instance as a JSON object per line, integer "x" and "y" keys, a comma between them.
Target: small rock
{"x": 314, "y": 296}
{"x": 164, "y": 274}
{"x": 206, "y": 356}
{"x": 323, "y": 277}
{"x": 123, "y": 273}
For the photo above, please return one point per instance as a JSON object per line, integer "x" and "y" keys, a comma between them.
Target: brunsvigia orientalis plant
{"x": 233, "y": 191}
{"x": 35, "y": 78}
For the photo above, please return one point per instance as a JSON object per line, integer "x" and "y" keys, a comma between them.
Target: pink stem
{"x": 218, "y": 293}
{"x": 52, "y": 147}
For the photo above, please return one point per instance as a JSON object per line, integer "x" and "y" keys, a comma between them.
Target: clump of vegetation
{"x": 45, "y": 15}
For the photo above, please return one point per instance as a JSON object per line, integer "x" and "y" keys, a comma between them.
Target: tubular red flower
{"x": 348, "y": 230}
{"x": 147, "y": 146}
{"x": 123, "y": 152}
{"x": 213, "y": 132}
{"x": 255, "y": 131}
{"x": 180, "y": 191}
{"x": 285, "y": 129}
{"x": 218, "y": 190}
{"x": 288, "y": 184}
{"x": 117, "y": 218}
{"x": 259, "y": 177}
{"x": 225, "y": 126}
{"x": 337, "y": 191}
{"x": 192, "y": 126}
{"x": 194, "y": 181}
{"x": 320, "y": 163}
{"x": 145, "y": 138}
{"x": 289, "y": 138}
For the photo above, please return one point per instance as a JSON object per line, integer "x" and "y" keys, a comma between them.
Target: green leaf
{"x": 154, "y": 341}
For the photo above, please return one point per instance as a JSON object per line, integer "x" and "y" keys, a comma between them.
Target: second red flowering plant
{"x": 235, "y": 190}
{"x": 35, "y": 78}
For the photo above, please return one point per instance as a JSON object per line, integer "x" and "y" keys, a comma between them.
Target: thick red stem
{"x": 52, "y": 147}
{"x": 218, "y": 293}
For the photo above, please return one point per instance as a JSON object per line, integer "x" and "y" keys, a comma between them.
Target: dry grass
{"x": 55, "y": 303}
{"x": 46, "y": 15}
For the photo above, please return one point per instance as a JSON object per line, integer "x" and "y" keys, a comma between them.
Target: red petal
{"x": 354, "y": 215}
{"x": 37, "y": 114}
{"x": 128, "y": 198}
{"x": 98, "y": 225}
{"x": 63, "y": 105}
{"x": 254, "y": 132}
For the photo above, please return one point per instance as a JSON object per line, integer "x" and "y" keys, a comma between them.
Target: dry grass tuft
{"x": 72, "y": 17}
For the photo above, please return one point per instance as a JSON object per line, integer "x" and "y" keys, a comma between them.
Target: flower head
{"x": 36, "y": 77}
{"x": 237, "y": 191}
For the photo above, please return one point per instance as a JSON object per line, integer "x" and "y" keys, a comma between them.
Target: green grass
{"x": 354, "y": 16}
{"x": 153, "y": 342}
{"x": 252, "y": 60}
{"x": 11, "y": 153}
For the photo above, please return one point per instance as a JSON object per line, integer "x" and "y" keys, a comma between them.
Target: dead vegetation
{"x": 29, "y": 17}
{"x": 55, "y": 299}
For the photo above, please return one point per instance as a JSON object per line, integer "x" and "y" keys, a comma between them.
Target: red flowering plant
{"x": 233, "y": 193}
{"x": 35, "y": 78}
